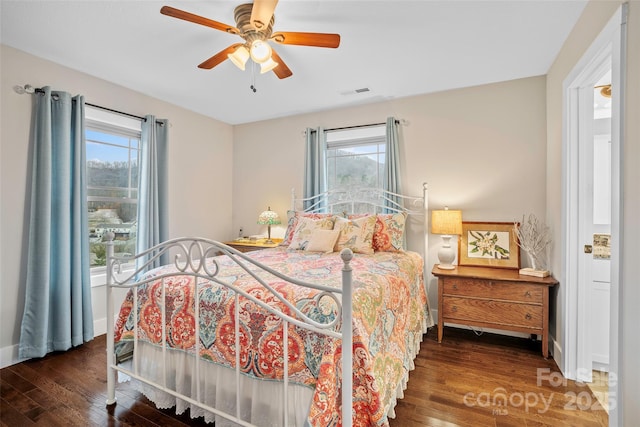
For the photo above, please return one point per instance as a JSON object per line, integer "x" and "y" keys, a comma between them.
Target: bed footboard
{"x": 195, "y": 258}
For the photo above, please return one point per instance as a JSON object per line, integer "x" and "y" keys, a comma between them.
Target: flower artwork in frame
{"x": 488, "y": 244}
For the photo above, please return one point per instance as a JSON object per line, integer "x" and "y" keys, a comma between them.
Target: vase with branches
{"x": 533, "y": 236}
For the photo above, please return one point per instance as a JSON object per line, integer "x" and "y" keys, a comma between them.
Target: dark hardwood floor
{"x": 467, "y": 380}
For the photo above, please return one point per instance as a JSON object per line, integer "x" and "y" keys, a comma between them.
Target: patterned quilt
{"x": 390, "y": 315}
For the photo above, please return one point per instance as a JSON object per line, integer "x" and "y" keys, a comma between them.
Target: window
{"x": 113, "y": 151}
{"x": 356, "y": 157}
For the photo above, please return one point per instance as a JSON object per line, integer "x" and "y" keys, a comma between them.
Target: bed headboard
{"x": 362, "y": 200}
{"x": 376, "y": 200}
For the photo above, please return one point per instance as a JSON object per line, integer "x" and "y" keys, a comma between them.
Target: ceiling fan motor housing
{"x": 250, "y": 33}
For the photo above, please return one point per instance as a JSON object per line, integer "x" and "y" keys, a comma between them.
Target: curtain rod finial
{"x": 24, "y": 89}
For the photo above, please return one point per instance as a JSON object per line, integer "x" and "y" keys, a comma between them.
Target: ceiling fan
{"x": 254, "y": 23}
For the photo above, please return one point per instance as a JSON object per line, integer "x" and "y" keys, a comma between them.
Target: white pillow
{"x": 304, "y": 230}
{"x": 322, "y": 240}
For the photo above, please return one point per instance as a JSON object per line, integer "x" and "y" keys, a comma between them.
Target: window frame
{"x": 100, "y": 120}
{"x": 357, "y": 137}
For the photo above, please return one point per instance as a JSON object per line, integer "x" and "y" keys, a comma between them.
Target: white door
{"x": 593, "y": 218}
{"x": 597, "y": 253}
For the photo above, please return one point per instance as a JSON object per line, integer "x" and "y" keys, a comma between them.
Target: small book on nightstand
{"x": 532, "y": 272}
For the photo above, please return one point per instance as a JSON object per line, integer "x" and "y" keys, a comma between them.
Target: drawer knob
{"x": 455, "y": 286}
{"x": 454, "y": 308}
{"x": 527, "y": 294}
{"x": 527, "y": 316}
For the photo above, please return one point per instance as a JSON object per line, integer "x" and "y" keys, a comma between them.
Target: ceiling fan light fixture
{"x": 260, "y": 51}
{"x": 268, "y": 65}
{"x": 239, "y": 57}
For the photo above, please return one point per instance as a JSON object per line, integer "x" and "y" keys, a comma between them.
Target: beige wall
{"x": 481, "y": 149}
{"x": 592, "y": 21}
{"x": 204, "y": 176}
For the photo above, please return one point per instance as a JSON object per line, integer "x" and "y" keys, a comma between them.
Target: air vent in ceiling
{"x": 355, "y": 91}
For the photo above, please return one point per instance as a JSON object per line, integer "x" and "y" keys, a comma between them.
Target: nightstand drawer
{"x": 492, "y": 311}
{"x": 503, "y": 290}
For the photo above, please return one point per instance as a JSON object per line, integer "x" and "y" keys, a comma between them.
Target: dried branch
{"x": 533, "y": 236}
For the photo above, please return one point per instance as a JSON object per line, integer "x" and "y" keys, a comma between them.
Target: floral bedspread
{"x": 390, "y": 315}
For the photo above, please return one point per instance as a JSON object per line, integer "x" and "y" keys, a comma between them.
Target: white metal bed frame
{"x": 190, "y": 256}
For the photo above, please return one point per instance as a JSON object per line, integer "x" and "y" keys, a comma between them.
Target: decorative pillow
{"x": 322, "y": 240}
{"x": 356, "y": 234}
{"x": 389, "y": 232}
{"x": 304, "y": 230}
{"x": 293, "y": 218}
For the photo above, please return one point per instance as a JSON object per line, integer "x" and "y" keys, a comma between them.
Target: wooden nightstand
{"x": 494, "y": 298}
{"x": 246, "y": 245}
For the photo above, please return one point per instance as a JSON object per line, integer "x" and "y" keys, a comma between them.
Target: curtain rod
{"x": 30, "y": 89}
{"x": 359, "y": 126}
{"x": 111, "y": 110}
{"x": 144, "y": 119}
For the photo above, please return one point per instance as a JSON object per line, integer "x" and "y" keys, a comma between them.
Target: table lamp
{"x": 269, "y": 218}
{"x": 447, "y": 223}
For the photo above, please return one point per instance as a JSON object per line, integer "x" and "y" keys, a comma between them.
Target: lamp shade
{"x": 446, "y": 222}
{"x": 239, "y": 57}
{"x": 269, "y": 217}
{"x": 268, "y": 65}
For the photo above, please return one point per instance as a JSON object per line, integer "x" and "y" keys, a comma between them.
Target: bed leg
{"x": 111, "y": 373}
{"x": 111, "y": 387}
{"x": 347, "y": 339}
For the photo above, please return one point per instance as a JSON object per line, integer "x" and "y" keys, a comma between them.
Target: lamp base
{"x": 269, "y": 241}
{"x": 446, "y": 255}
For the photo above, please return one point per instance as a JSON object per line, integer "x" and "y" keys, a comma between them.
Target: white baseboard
{"x": 599, "y": 366}
{"x": 99, "y": 326}
{"x": 9, "y": 354}
{"x": 556, "y": 352}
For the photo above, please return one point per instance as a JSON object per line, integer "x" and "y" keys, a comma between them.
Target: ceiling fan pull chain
{"x": 253, "y": 78}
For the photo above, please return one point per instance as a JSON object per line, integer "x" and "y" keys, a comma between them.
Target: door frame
{"x": 581, "y": 157}
{"x": 611, "y": 42}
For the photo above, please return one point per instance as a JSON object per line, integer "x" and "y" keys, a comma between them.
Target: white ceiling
{"x": 394, "y": 48}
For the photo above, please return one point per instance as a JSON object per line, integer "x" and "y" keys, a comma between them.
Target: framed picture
{"x": 488, "y": 244}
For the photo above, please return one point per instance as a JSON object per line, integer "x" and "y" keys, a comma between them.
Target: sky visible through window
{"x": 106, "y": 153}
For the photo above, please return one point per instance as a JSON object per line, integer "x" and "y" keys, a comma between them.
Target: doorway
{"x": 591, "y": 211}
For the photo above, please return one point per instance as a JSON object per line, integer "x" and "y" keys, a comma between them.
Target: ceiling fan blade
{"x": 307, "y": 39}
{"x": 181, "y": 14}
{"x": 219, "y": 57}
{"x": 282, "y": 71}
{"x": 262, "y": 12}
